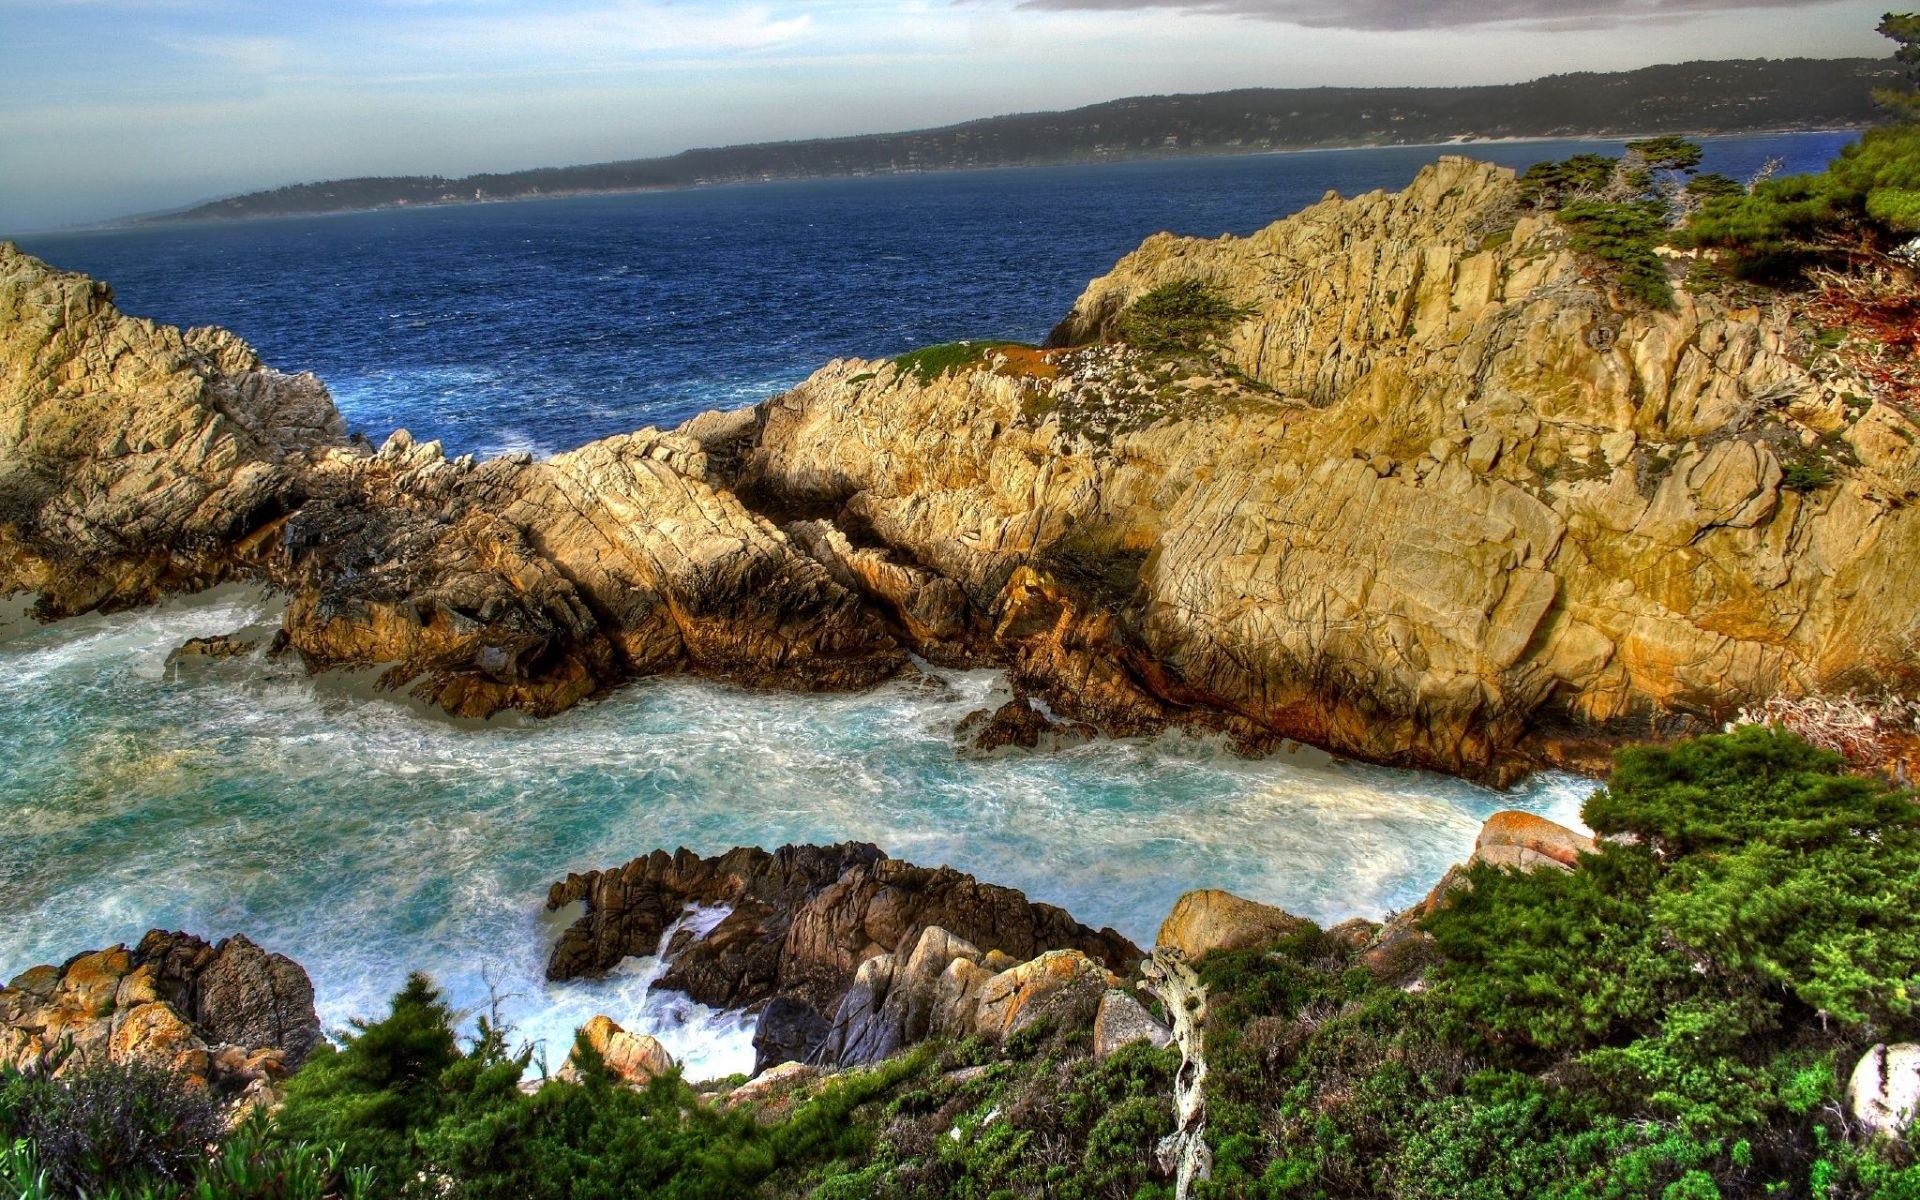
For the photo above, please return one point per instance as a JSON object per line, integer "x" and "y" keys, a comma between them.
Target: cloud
{"x": 1400, "y": 15}
{"x": 248, "y": 55}
{"x": 617, "y": 29}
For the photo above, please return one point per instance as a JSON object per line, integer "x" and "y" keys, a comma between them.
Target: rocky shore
{"x": 1435, "y": 497}
{"x": 848, "y": 957}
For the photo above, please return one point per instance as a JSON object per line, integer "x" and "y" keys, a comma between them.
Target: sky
{"x": 110, "y": 107}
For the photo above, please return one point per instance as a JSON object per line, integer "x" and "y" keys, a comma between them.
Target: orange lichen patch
{"x": 1020, "y": 362}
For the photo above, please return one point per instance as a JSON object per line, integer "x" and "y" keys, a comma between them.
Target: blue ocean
{"x": 367, "y": 838}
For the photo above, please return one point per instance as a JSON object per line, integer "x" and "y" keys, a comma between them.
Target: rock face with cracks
{"x": 137, "y": 460}
{"x": 844, "y": 950}
{"x": 1441, "y": 498}
{"x": 230, "y": 1015}
{"x": 1438, "y": 497}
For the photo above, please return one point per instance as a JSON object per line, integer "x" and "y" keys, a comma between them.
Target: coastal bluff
{"x": 1436, "y": 496}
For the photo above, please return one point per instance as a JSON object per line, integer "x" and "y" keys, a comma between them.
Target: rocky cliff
{"x": 1441, "y": 498}
{"x": 137, "y": 460}
{"x": 1436, "y": 496}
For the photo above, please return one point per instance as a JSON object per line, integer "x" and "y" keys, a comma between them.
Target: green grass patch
{"x": 931, "y": 363}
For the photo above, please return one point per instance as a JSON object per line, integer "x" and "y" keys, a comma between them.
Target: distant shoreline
{"x": 1462, "y": 144}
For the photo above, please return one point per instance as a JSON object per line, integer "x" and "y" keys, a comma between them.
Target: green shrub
{"x": 110, "y": 1127}
{"x": 1178, "y": 318}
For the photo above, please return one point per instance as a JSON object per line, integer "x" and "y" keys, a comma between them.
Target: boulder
{"x": 1209, "y": 920}
{"x": 787, "y": 1031}
{"x": 776, "y": 1082}
{"x": 1122, "y": 1021}
{"x": 1884, "y": 1091}
{"x": 633, "y": 1059}
{"x": 1062, "y": 985}
{"x": 1524, "y": 842}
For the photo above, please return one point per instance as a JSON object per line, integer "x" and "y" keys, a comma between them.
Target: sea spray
{"x": 366, "y": 837}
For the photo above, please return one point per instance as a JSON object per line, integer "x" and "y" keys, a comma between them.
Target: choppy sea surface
{"x": 367, "y": 838}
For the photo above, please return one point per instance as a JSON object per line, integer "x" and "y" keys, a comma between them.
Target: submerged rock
{"x": 1017, "y": 724}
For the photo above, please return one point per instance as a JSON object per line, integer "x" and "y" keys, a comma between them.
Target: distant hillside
{"x": 1698, "y": 97}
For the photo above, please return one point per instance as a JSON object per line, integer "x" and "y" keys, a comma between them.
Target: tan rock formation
{"x": 137, "y": 460}
{"x": 1208, "y": 920}
{"x": 230, "y": 1015}
{"x": 633, "y": 1059}
{"x": 1461, "y": 508}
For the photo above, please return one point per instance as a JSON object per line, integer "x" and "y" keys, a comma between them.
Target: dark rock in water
{"x": 1018, "y": 723}
{"x": 803, "y": 920}
{"x": 225, "y": 645}
{"x": 738, "y": 963}
{"x": 789, "y": 1031}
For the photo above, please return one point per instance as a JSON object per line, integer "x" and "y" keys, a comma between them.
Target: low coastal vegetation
{"x": 1676, "y": 1017}
{"x": 1625, "y": 212}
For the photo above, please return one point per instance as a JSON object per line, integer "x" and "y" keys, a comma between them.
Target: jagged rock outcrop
{"x": 515, "y": 584}
{"x": 1459, "y": 507}
{"x": 230, "y": 1015}
{"x": 849, "y": 951}
{"x": 1439, "y": 498}
{"x": 137, "y": 460}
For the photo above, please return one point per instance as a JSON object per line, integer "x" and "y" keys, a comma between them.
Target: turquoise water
{"x": 367, "y": 838}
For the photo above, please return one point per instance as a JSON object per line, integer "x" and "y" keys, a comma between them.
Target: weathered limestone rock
{"x": 1208, "y": 920}
{"x": 1884, "y": 1091}
{"x": 633, "y": 1059}
{"x": 229, "y": 1015}
{"x": 137, "y": 460}
{"x": 1122, "y": 1021}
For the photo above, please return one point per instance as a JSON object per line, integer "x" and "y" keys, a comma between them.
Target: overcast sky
{"x": 112, "y": 106}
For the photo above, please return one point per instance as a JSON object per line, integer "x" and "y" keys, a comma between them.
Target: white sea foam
{"x": 367, "y": 838}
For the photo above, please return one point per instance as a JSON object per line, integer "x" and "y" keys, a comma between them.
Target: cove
{"x": 366, "y": 838}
